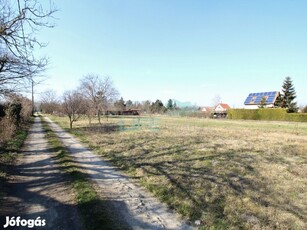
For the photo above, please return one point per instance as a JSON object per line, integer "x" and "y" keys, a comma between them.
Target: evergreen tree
{"x": 158, "y": 107}
{"x": 170, "y": 105}
{"x": 129, "y": 104}
{"x": 120, "y": 104}
{"x": 288, "y": 96}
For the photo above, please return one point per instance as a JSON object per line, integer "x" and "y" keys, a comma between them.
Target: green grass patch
{"x": 95, "y": 211}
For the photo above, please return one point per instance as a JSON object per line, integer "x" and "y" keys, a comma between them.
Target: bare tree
{"x": 50, "y": 102}
{"x": 146, "y": 105}
{"x": 99, "y": 92}
{"x": 73, "y": 106}
{"x": 19, "y": 22}
{"x": 216, "y": 100}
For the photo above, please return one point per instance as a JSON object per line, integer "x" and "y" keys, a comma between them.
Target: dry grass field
{"x": 227, "y": 174}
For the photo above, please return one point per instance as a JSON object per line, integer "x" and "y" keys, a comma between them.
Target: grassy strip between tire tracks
{"x": 95, "y": 212}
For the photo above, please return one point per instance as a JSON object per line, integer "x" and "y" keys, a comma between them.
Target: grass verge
{"x": 8, "y": 154}
{"x": 95, "y": 212}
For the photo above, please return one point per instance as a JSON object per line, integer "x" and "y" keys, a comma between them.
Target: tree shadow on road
{"x": 30, "y": 195}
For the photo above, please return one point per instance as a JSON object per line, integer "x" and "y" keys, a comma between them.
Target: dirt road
{"x": 137, "y": 206}
{"x": 38, "y": 188}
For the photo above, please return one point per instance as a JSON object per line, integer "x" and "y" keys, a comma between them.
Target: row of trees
{"x": 145, "y": 106}
{"x": 93, "y": 97}
{"x": 96, "y": 96}
{"x": 286, "y": 99}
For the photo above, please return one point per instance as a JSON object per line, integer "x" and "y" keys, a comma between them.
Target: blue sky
{"x": 190, "y": 50}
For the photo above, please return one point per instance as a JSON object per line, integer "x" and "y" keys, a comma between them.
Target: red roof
{"x": 225, "y": 106}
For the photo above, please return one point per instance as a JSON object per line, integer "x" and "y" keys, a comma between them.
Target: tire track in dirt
{"x": 137, "y": 206}
{"x": 38, "y": 187}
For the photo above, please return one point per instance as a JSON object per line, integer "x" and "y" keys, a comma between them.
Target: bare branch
{"x": 73, "y": 105}
{"x": 99, "y": 92}
{"x": 18, "y": 26}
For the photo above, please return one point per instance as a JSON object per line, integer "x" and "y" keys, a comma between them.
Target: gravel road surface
{"x": 37, "y": 187}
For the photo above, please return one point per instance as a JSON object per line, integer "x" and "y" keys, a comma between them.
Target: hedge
{"x": 272, "y": 114}
{"x": 243, "y": 114}
{"x": 298, "y": 117}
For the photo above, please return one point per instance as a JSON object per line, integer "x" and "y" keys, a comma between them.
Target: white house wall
{"x": 257, "y": 106}
{"x": 219, "y": 108}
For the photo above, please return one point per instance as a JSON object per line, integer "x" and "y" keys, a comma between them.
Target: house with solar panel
{"x": 265, "y": 99}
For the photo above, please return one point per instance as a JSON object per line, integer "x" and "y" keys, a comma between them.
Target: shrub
{"x": 276, "y": 114}
{"x": 13, "y": 111}
{"x": 2, "y": 110}
{"x": 298, "y": 117}
{"x": 7, "y": 130}
{"x": 245, "y": 114}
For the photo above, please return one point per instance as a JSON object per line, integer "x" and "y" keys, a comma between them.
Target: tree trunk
{"x": 70, "y": 122}
{"x": 99, "y": 118}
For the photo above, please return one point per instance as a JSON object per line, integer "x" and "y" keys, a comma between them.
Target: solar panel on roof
{"x": 255, "y": 98}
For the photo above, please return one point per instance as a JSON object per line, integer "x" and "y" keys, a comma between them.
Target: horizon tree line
{"x": 96, "y": 96}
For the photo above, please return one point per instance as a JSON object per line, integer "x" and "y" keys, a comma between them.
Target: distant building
{"x": 265, "y": 99}
{"x": 131, "y": 112}
{"x": 206, "y": 109}
{"x": 221, "y": 110}
{"x": 127, "y": 112}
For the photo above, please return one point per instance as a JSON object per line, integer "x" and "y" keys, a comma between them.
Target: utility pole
{"x": 33, "y": 109}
